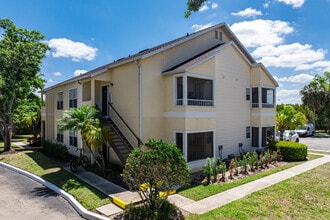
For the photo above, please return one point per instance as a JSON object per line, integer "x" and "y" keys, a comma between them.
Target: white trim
{"x": 190, "y": 114}
{"x": 264, "y": 114}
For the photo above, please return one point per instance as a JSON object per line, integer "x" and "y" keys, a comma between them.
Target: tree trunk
{"x": 7, "y": 137}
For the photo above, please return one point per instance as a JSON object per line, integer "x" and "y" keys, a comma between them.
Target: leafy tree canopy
{"x": 154, "y": 168}
{"x": 21, "y": 53}
{"x": 193, "y": 6}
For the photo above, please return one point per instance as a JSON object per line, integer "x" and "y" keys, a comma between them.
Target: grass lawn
{"x": 306, "y": 196}
{"x": 201, "y": 191}
{"x": 51, "y": 170}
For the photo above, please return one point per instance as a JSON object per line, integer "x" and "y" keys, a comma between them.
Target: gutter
{"x": 140, "y": 96}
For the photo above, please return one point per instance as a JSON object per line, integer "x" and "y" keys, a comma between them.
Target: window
{"x": 59, "y": 136}
{"x": 255, "y": 98}
{"x": 248, "y": 95}
{"x": 73, "y": 98}
{"x": 248, "y": 132}
{"x": 199, "y": 145}
{"x": 267, "y": 135}
{"x": 268, "y": 98}
{"x": 255, "y": 137}
{"x": 73, "y": 141}
{"x": 199, "y": 92}
{"x": 179, "y": 90}
{"x": 59, "y": 100}
{"x": 179, "y": 141}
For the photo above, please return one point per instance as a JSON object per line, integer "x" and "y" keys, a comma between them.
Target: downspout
{"x": 140, "y": 97}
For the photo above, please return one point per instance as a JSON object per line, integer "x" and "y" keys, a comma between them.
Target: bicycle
{"x": 82, "y": 160}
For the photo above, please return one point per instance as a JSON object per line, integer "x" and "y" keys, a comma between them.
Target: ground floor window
{"x": 262, "y": 135}
{"x": 199, "y": 145}
{"x": 59, "y": 136}
{"x": 73, "y": 140}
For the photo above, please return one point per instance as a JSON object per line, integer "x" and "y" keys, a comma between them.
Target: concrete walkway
{"x": 124, "y": 197}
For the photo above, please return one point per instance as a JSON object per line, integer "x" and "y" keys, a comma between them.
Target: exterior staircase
{"x": 118, "y": 141}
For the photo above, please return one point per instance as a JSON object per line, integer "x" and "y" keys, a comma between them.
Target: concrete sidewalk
{"x": 220, "y": 199}
{"x": 121, "y": 196}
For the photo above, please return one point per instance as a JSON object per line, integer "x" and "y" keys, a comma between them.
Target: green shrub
{"x": 57, "y": 150}
{"x": 208, "y": 170}
{"x": 166, "y": 211}
{"x": 292, "y": 151}
{"x": 272, "y": 145}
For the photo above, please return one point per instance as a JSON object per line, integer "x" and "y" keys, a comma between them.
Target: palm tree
{"x": 84, "y": 119}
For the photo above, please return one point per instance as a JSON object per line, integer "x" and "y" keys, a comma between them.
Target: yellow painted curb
{"x": 171, "y": 192}
{"x": 119, "y": 202}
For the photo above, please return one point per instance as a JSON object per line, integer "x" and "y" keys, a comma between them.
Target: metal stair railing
{"x": 125, "y": 129}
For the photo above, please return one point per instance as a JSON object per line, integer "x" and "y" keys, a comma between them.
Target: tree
{"x": 193, "y": 6}
{"x": 288, "y": 118}
{"x": 316, "y": 95}
{"x": 27, "y": 115}
{"x": 84, "y": 119}
{"x": 21, "y": 53}
{"x": 153, "y": 170}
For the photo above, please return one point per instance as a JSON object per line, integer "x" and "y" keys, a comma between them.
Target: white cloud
{"x": 287, "y": 96}
{"x": 203, "y": 8}
{"x": 57, "y": 74}
{"x": 50, "y": 81}
{"x": 214, "y": 5}
{"x": 288, "y": 56}
{"x": 287, "y": 92}
{"x": 248, "y": 12}
{"x": 322, "y": 66}
{"x": 294, "y": 3}
{"x": 266, "y": 4}
{"x": 79, "y": 72}
{"x": 300, "y": 78}
{"x": 207, "y": 6}
{"x": 260, "y": 32}
{"x": 198, "y": 27}
{"x": 62, "y": 47}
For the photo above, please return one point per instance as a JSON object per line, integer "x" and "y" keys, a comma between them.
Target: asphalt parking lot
{"x": 316, "y": 143}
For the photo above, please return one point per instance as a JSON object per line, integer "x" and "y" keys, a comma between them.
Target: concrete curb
{"x": 73, "y": 202}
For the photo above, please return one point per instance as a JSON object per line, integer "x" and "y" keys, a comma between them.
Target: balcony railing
{"x": 196, "y": 102}
{"x": 263, "y": 105}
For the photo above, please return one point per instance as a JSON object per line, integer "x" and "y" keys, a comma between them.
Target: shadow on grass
{"x": 53, "y": 172}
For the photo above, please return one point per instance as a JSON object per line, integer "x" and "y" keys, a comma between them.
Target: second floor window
{"x": 196, "y": 92}
{"x": 73, "y": 98}
{"x": 267, "y": 99}
{"x": 59, "y": 100}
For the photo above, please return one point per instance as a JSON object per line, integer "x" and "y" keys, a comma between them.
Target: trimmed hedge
{"x": 57, "y": 150}
{"x": 292, "y": 151}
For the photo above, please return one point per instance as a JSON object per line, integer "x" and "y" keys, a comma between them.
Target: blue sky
{"x": 290, "y": 37}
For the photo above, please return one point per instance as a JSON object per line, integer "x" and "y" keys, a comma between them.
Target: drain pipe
{"x": 140, "y": 97}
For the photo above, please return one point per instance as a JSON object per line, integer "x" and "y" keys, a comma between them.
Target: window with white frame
{"x": 267, "y": 96}
{"x": 248, "y": 94}
{"x": 73, "y": 98}
{"x": 199, "y": 145}
{"x": 59, "y": 136}
{"x": 248, "y": 132}
{"x": 199, "y": 91}
{"x": 73, "y": 140}
{"x": 59, "y": 100}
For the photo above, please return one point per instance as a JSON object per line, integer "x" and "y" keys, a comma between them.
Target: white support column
{"x": 185, "y": 87}
{"x": 260, "y": 137}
